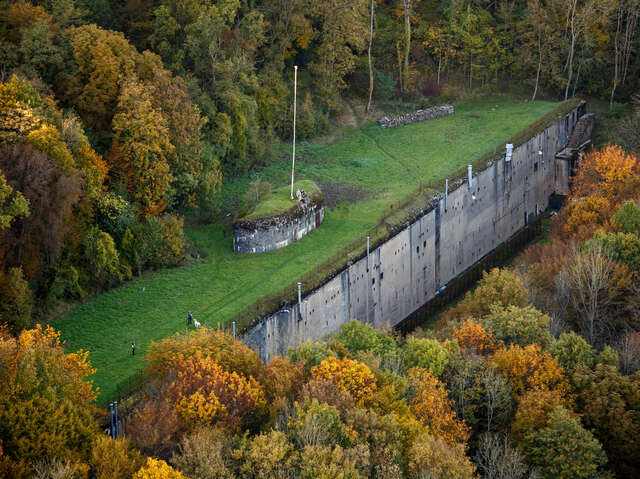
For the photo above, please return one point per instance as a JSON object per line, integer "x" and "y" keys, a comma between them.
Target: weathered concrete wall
{"x": 279, "y": 233}
{"x": 416, "y": 116}
{"x": 407, "y": 270}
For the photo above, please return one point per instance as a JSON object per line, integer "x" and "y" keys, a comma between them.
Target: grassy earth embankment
{"x": 382, "y": 165}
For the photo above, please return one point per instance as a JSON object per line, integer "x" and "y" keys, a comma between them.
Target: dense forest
{"x": 119, "y": 119}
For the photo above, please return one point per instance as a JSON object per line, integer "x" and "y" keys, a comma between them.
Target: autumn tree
{"x": 204, "y": 393}
{"x": 609, "y": 405}
{"x": 47, "y": 403}
{"x": 518, "y": 325}
{"x": 157, "y": 469}
{"x": 500, "y": 287}
{"x": 481, "y": 396}
{"x": 206, "y": 454}
{"x": 223, "y": 349}
{"x": 496, "y": 457}
{"x": 114, "y": 458}
{"x": 471, "y": 336}
{"x": 572, "y": 351}
{"x": 605, "y": 178}
{"x": 37, "y": 241}
{"x": 433, "y": 457}
{"x": 427, "y": 354}
{"x": 141, "y": 148}
{"x": 564, "y": 448}
{"x": 351, "y": 376}
{"x": 12, "y": 204}
{"x": 530, "y": 368}
{"x": 432, "y": 406}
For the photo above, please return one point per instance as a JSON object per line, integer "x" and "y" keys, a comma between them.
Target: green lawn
{"x": 279, "y": 201}
{"x": 387, "y": 164}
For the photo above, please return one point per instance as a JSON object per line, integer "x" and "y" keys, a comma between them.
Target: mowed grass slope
{"x": 387, "y": 164}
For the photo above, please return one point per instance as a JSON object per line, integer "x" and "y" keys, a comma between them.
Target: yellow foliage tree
{"x": 46, "y": 403}
{"x": 351, "y": 376}
{"x": 497, "y": 287}
{"x": 158, "y": 469}
{"x": 432, "y": 406}
{"x": 530, "y": 368}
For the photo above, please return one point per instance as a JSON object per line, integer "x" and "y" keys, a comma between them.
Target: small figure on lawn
{"x": 189, "y": 318}
{"x": 133, "y": 348}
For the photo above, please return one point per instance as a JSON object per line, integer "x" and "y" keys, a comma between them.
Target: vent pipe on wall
{"x": 299, "y": 293}
{"x": 470, "y": 173}
{"x": 446, "y": 193}
{"x": 509, "y": 152}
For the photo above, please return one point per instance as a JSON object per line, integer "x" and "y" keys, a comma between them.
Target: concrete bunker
{"x": 264, "y": 233}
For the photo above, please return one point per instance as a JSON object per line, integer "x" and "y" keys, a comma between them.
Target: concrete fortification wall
{"x": 276, "y": 232}
{"x": 406, "y": 271}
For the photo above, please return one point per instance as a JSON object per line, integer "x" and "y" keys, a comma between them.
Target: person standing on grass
{"x": 133, "y": 348}
{"x": 189, "y": 318}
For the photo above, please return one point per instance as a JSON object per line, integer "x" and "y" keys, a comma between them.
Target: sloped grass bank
{"x": 399, "y": 167}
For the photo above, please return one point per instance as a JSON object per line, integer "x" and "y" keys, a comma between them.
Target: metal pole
{"x": 293, "y": 157}
{"x": 470, "y": 172}
{"x": 233, "y": 325}
{"x": 368, "y": 243}
{"x": 446, "y": 193}
{"x": 117, "y": 428}
{"x": 111, "y": 431}
{"x": 299, "y": 293}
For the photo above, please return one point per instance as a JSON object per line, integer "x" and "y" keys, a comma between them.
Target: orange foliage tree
{"x": 203, "y": 392}
{"x": 605, "y": 178}
{"x": 432, "y": 406}
{"x": 222, "y": 348}
{"x": 351, "y": 376}
{"x": 472, "y": 336}
{"x": 530, "y": 368}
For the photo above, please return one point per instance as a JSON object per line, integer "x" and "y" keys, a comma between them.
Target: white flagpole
{"x": 293, "y": 159}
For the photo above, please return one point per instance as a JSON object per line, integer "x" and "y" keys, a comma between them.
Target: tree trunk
{"x": 616, "y": 54}
{"x": 535, "y": 90}
{"x": 570, "y": 66}
{"x": 373, "y": 2}
{"x": 407, "y": 40}
{"x": 439, "y": 66}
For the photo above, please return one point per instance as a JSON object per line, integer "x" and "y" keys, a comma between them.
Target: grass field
{"x": 382, "y": 165}
{"x": 279, "y": 201}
